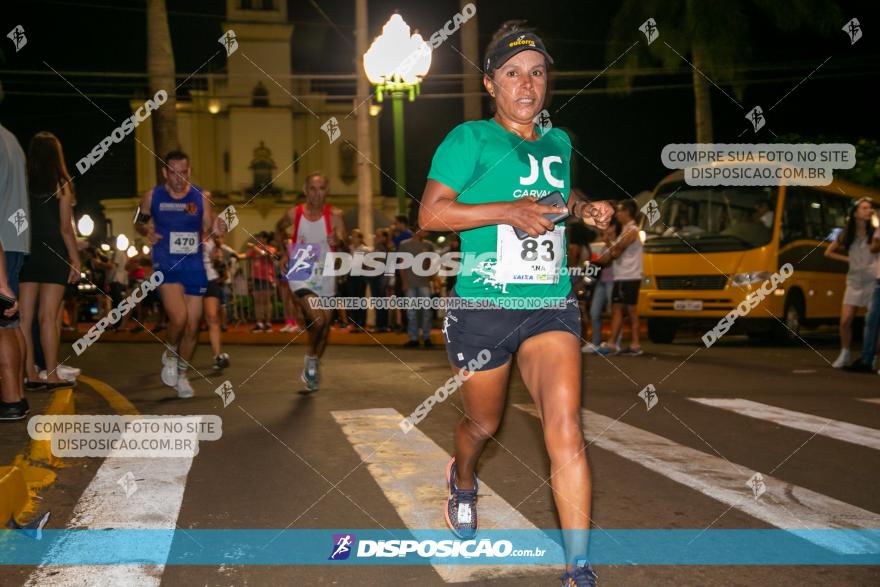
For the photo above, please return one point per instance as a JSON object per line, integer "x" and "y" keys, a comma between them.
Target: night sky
{"x": 621, "y": 134}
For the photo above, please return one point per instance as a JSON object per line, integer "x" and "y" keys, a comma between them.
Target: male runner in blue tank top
{"x": 176, "y": 218}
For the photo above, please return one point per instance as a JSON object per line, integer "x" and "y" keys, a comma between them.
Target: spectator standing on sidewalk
{"x": 855, "y": 241}
{"x": 356, "y": 285}
{"x": 14, "y": 245}
{"x": 118, "y": 280}
{"x": 417, "y": 286}
{"x": 54, "y": 260}
{"x": 379, "y": 283}
{"x": 400, "y": 232}
{"x": 626, "y": 252}
{"x": 865, "y": 363}
{"x": 261, "y": 254}
{"x": 604, "y": 284}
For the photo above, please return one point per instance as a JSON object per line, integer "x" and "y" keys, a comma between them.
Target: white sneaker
{"x": 67, "y": 372}
{"x": 183, "y": 388}
{"x": 62, "y": 373}
{"x": 288, "y": 328}
{"x": 169, "y": 369}
{"x": 843, "y": 359}
{"x": 589, "y": 348}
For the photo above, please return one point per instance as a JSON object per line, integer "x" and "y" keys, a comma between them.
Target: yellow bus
{"x": 711, "y": 247}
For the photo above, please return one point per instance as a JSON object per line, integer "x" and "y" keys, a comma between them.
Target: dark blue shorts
{"x": 469, "y": 333}
{"x": 195, "y": 283}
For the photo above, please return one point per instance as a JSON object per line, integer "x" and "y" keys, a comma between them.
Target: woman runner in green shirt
{"x": 485, "y": 179}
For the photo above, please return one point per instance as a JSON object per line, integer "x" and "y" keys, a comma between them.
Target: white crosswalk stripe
{"x": 784, "y": 505}
{"x": 410, "y": 470}
{"x": 873, "y": 400}
{"x": 155, "y": 505}
{"x": 853, "y": 433}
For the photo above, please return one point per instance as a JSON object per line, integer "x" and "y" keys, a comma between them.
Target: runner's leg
{"x": 318, "y": 322}
{"x": 556, "y": 392}
{"x": 175, "y": 310}
{"x": 483, "y": 397}
{"x": 193, "y": 308}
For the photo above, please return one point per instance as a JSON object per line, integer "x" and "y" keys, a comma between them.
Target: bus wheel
{"x": 661, "y": 331}
{"x": 792, "y": 318}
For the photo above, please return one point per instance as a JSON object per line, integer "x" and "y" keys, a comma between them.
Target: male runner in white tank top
{"x": 317, "y": 229}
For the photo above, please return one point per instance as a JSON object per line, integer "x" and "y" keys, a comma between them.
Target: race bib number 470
{"x": 531, "y": 260}
{"x": 183, "y": 243}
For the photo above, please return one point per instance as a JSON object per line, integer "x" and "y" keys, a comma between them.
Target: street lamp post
{"x": 395, "y": 63}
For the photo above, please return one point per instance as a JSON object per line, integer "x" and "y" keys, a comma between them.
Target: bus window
{"x": 793, "y": 227}
{"x": 811, "y": 204}
{"x": 835, "y": 215}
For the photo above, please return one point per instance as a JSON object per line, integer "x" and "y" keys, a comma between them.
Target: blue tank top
{"x": 179, "y": 221}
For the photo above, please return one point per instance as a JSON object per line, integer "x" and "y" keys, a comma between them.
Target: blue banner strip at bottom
{"x": 416, "y": 547}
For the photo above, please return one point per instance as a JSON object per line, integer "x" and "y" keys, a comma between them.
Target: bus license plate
{"x": 689, "y": 305}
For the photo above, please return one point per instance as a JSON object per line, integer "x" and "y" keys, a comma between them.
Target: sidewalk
{"x": 24, "y": 461}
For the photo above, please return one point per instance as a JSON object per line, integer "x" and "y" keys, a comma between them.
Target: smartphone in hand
{"x": 554, "y": 199}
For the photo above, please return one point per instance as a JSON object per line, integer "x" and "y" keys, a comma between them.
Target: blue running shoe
{"x": 461, "y": 506}
{"x": 606, "y": 349}
{"x": 583, "y": 576}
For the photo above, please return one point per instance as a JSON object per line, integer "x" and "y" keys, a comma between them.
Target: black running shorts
{"x": 626, "y": 292}
{"x": 501, "y": 332}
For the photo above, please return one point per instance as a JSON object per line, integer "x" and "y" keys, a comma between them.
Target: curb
{"x": 62, "y": 404}
{"x": 19, "y": 481}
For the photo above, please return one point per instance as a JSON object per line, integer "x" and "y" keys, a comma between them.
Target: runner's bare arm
{"x": 440, "y": 212}
{"x": 142, "y": 220}
{"x": 285, "y": 222}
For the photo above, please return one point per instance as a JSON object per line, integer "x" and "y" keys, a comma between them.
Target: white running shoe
{"x": 310, "y": 373}
{"x": 589, "y": 349}
{"x": 843, "y": 359}
{"x": 183, "y": 388}
{"x": 169, "y": 369}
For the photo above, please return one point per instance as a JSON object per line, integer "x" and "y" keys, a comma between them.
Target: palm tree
{"x": 160, "y": 70}
{"x": 712, "y": 35}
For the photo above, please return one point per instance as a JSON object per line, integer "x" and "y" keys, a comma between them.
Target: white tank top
{"x": 628, "y": 265}
{"x": 314, "y": 232}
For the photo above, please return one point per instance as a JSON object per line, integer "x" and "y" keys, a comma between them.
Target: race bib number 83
{"x": 531, "y": 260}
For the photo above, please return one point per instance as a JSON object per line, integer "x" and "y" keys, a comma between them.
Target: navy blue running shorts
{"x": 501, "y": 331}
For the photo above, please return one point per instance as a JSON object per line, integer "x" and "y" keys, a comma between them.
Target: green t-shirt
{"x": 483, "y": 163}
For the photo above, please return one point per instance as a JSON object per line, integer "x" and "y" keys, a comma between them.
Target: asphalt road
{"x": 296, "y": 461}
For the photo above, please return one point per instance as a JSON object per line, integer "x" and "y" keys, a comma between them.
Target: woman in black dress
{"x": 54, "y": 259}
